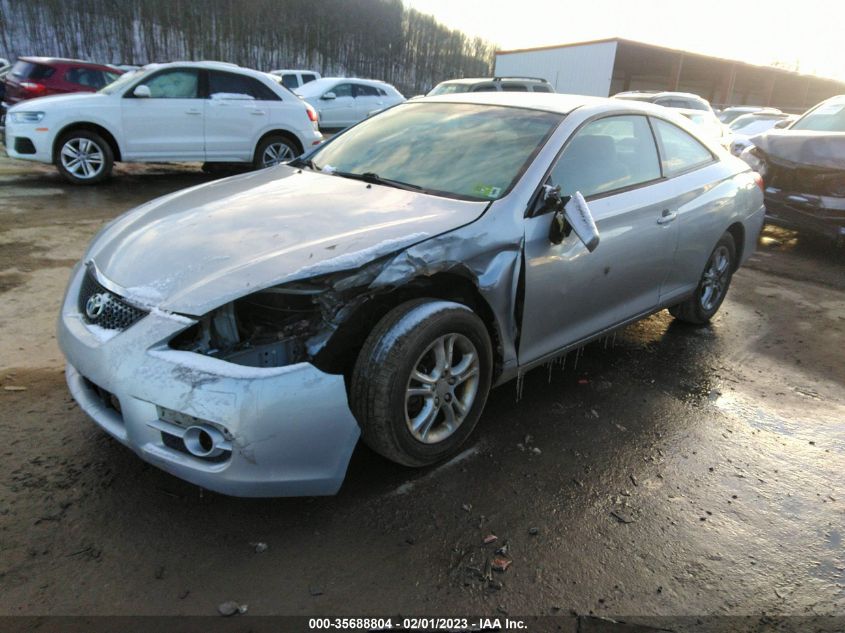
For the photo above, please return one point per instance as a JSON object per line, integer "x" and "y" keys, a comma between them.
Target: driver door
{"x": 340, "y": 111}
{"x": 571, "y": 293}
{"x": 170, "y": 123}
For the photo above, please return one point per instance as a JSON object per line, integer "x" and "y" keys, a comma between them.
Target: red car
{"x": 32, "y": 77}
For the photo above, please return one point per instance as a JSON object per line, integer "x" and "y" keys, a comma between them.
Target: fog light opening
{"x": 203, "y": 441}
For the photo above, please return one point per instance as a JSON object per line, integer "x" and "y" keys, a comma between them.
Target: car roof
{"x": 548, "y": 101}
{"x": 60, "y": 60}
{"x": 208, "y": 65}
{"x": 475, "y": 80}
{"x": 657, "y": 94}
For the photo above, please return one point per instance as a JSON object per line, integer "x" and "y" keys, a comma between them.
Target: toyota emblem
{"x": 96, "y": 305}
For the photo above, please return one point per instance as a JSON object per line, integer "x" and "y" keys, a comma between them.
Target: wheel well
{"x": 339, "y": 354}
{"x": 737, "y": 231}
{"x": 288, "y": 135}
{"x": 91, "y": 127}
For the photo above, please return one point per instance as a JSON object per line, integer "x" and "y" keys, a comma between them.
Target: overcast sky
{"x": 809, "y": 32}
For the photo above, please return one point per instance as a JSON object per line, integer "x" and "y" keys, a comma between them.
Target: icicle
{"x": 550, "y": 365}
{"x": 520, "y": 382}
{"x": 613, "y": 344}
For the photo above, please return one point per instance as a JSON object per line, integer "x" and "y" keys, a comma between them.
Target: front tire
{"x": 84, "y": 157}
{"x": 421, "y": 381}
{"x": 713, "y": 286}
{"x": 274, "y": 150}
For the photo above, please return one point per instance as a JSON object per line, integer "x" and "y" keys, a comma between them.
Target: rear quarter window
{"x": 680, "y": 151}
{"x": 542, "y": 89}
{"x": 31, "y": 70}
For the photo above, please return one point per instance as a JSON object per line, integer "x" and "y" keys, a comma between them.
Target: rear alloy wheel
{"x": 84, "y": 158}
{"x": 273, "y": 151}
{"x": 421, "y": 381}
{"x": 713, "y": 286}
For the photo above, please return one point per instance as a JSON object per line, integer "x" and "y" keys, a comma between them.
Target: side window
{"x": 514, "y": 88}
{"x": 680, "y": 150}
{"x": 485, "y": 88}
{"x": 382, "y": 92}
{"x": 87, "y": 77}
{"x": 174, "y": 84}
{"x": 342, "y": 90}
{"x": 232, "y": 86}
{"x": 542, "y": 88}
{"x": 290, "y": 81}
{"x": 306, "y": 77}
{"x": 606, "y": 155}
{"x": 365, "y": 91}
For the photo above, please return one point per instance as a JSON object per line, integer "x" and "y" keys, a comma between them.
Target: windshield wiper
{"x": 300, "y": 162}
{"x": 374, "y": 178}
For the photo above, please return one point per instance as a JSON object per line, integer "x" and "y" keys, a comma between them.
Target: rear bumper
{"x": 288, "y": 430}
{"x": 824, "y": 215}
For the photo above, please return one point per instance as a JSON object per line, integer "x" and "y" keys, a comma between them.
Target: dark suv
{"x": 491, "y": 84}
{"x": 32, "y": 77}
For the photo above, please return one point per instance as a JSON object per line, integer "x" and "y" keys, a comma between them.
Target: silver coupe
{"x": 244, "y": 333}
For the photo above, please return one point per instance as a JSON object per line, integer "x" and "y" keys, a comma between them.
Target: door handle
{"x": 667, "y": 216}
{"x": 192, "y": 112}
{"x": 258, "y": 113}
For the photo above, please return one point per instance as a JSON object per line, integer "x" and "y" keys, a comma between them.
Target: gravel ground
{"x": 667, "y": 471}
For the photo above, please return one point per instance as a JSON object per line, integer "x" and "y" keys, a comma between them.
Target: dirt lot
{"x": 678, "y": 471}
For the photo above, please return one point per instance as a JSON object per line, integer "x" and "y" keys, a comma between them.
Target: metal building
{"x": 604, "y": 67}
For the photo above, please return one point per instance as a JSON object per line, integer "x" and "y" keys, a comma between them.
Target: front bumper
{"x": 824, "y": 215}
{"x": 40, "y": 142}
{"x": 289, "y": 429}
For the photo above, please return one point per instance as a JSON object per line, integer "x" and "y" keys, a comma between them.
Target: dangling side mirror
{"x": 575, "y": 215}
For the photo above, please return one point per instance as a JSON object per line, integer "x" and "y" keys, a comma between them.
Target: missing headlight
{"x": 264, "y": 329}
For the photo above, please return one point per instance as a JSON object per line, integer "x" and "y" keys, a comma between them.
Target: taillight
{"x": 312, "y": 113}
{"x": 759, "y": 180}
{"x": 34, "y": 88}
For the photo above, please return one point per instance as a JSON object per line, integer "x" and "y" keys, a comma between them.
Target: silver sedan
{"x": 243, "y": 334}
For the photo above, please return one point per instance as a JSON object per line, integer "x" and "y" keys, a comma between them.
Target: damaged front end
{"x": 804, "y": 178}
{"x": 325, "y": 319}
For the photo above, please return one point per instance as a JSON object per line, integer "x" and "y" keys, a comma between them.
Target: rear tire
{"x": 712, "y": 287}
{"x": 274, "y": 150}
{"x": 84, "y": 157}
{"x": 421, "y": 381}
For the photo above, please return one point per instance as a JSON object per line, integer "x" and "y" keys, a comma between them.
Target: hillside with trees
{"x": 380, "y": 39}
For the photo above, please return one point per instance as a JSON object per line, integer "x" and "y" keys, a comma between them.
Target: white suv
{"x": 188, "y": 111}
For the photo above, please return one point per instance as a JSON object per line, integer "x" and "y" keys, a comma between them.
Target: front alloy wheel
{"x": 84, "y": 157}
{"x": 421, "y": 381}
{"x": 442, "y": 388}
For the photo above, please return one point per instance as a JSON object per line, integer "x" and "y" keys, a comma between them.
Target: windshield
{"x": 454, "y": 149}
{"x": 828, "y": 117}
{"x": 121, "y": 82}
{"x": 448, "y": 89}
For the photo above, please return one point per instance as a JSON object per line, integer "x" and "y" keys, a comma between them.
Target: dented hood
{"x": 804, "y": 149}
{"x": 197, "y": 249}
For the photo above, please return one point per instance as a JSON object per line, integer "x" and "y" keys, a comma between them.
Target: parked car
{"x": 186, "y": 111}
{"x": 683, "y": 100}
{"x": 491, "y": 84}
{"x": 293, "y": 79}
{"x": 380, "y": 285}
{"x": 745, "y": 126}
{"x": 803, "y": 167}
{"x": 342, "y": 102}
{"x": 32, "y": 77}
{"x": 728, "y": 115}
